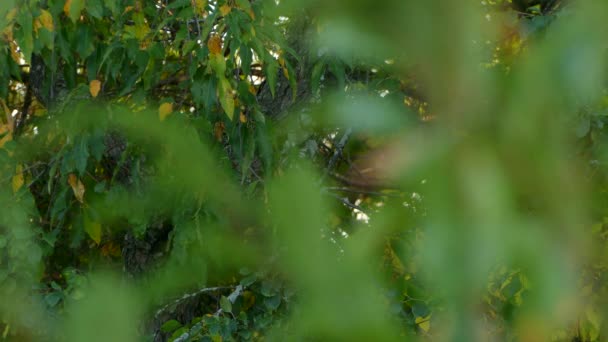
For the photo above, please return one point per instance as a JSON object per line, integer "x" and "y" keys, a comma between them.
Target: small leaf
{"x": 164, "y": 110}
{"x": 77, "y": 187}
{"x": 243, "y": 118}
{"x": 225, "y": 304}
{"x": 18, "y": 179}
{"x": 225, "y": 9}
{"x": 94, "y": 87}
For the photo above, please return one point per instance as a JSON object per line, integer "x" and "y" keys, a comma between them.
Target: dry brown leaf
{"x": 218, "y": 130}
{"x": 215, "y": 44}
{"x": 77, "y": 187}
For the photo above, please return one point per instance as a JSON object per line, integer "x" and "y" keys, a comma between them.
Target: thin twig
{"x": 358, "y": 191}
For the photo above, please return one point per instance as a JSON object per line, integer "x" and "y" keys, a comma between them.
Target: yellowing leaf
{"x": 72, "y": 9}
{"x": 286, "y": 73}
{"x": 15, "y": 54}
{"x": 226, "y": 98}
{"x": 5, "y": 129}
{"x": 424, "y": 323}
{"x": 12, "y": 14}
{"x": 225, "y": 9}
{"x": 218, "y": 130}
{"x": 44, "y": 20}
{"x": 243, "y": 118}
{"x": 93, "y": 229}
{"x": 18, "y": 179}
{"x": 141, "y": 26}
{"x": 215, "y": 44}
{"x": 66, "y": 7}
{"x": 77, "y": 187}
{"x": 199, "y": 6}
{"x": 164, "y": 110}
{"x": 94, "y": 87}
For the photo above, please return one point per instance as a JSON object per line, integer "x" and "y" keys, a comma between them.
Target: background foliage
{"x": 210, "y": 170}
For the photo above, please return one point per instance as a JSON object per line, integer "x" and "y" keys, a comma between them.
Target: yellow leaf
{"x": 45, "y": 19}
{"x": 93, "y": 229}
{"x": 164, "y": 110}
{"x": 225, "y": 9}
{"x": 77, "y": 187}
{"x": 243, "y": 118}
{"x": 252, "y": 14}
{"x": 286, "y": 73}
{"x": 424, "y": 323}
{"x": 18, "y": 179}
{"x": 215, "y": 44}
{"x": 94, "y": 87}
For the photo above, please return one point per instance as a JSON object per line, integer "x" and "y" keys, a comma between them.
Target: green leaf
{"x": 248, "y": 280}
{"x": 53, "y": 298}
{"x": 95, "y": 8}
{"x": 317, "y": 72}
{"x": 84, "y": 41}
{"x": 170, "y": 326}
{"x": 272, "y": 303}
{"x": 93, "y": 229}
{"x": 225, "y": 304}
{"x": 246, "y": 58}
{"x": 271, "y": 71}
{"x": 25, "y": 34}
{"x": 419, "y": 309}
{"x": 218, "y": 65}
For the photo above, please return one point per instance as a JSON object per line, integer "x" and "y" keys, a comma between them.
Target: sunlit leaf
{"x": 94, "y": 87}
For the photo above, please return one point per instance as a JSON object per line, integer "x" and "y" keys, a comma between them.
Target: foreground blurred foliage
{"x": 211, "y": 170}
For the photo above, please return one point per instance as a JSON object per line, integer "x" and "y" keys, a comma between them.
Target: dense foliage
{"x": 210, "y": 170}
